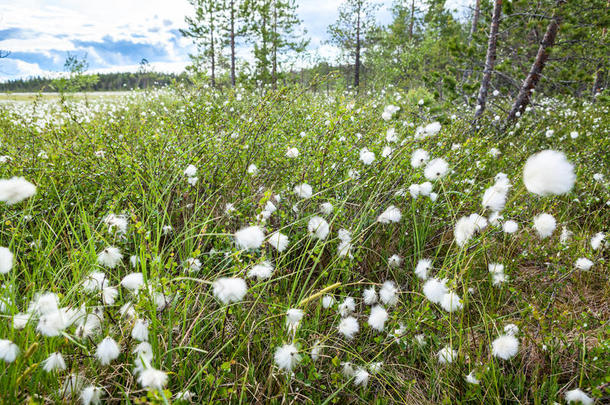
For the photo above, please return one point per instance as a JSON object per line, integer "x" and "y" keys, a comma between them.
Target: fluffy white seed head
{"x": 8, "y": 351}
{"x": 435, "y": 289}
{"x": 278, "y": 241}
{"x": 548, "y": 173}
{"x": 287, "y": 357}
{"x": 544, "y": 224}
{"x": 451, "y": 302}
{"x": 318, "y": 227}
{"x": 583, "y": 264}
{"x": 15, "y": 190}
{"x": 419, "y": 158}
{"x": 55, "y": 362}
{"x": 110, "y": 257}
{"x": 107, "y": 350}
{"x": 510, "y": 226}
{"x": 303, "y": 190}
{"x": 578, "y": 396}
{"x": 370, "y": 296}
{"x": 388, "y": 293}
{"x": 505, "y": 347}
{"x": 421, "y": 270}
{"x": 348, "y": 327}
{"x": 378, "y": 318}
{"x": 446, "y": 355}
{"x": 6, "y": 260}
{"x": 391, "y": 214}
{"x": 251, "y": 237}
{"x": 436, "y": 169}
{"x": 227, "y": 290}
{"x": 261, "y": 271}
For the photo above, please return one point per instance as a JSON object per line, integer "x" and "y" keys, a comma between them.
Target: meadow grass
{"x": 127, "y": 156}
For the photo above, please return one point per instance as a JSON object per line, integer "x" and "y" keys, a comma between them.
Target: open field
{"x": 302, "y": 247}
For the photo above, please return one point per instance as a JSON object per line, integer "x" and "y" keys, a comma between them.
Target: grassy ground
{"x": 225, "y": 353}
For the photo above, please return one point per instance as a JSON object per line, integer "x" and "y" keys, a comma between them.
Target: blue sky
{"x": 117, "y": 34}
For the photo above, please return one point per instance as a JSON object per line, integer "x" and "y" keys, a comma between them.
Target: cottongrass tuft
{"x": 583, "y": 264}
{"x": 278, "y": 241}
{"x": 303, "y": 190}
{"x": 391, "y": 214}
{"x": 261, "y": 271}
{"x": 510, "y": 226}
{"x": 107, "y": 351}
{"x": 451, "y": 302}
{"x": 388, "y": 293}
{"x": 421, "y": 270}
{"x": 15, "y": 190}
{"x": 55, "y": 362}
{"x": 228, "y": 290}
{"x": 544, "y": 224}
{"x": 348, "y": 327}
{"x": 110, "y": 257}
{"x": 370, "y": 296}
{"x": 436, "y": 169}
{"x": 548, "y": 173}
{"x": 505, "y": 347}
{"x": 251, "y": 237}
{"x": 91, "y": 395}
{"x": 361, "y": 377}
{"x": 140, "y": 330}
{"x": 347, "y": 306}
{"x": 578, "y": 396}
{"x": 446, "y": 355}
{"x": 435, "y": 289}
{"x": 152, "y": 378}
{"x": 597, "y": 239}
{"x": 318, "y": 227}
{"x": 287, "y": 357}
{"x": 378, "y": 318}
{"x": 419, "y": 158}
{"x": 8, "y": 351}
{"x": 328, "y": 301}
{"x": 133, "y": 281}
{"x": 6, "y": 260}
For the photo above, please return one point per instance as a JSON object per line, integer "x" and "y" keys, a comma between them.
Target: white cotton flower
{"x": 435, "y": 289}
{"x": 287, "y": 357}
{"x": 167, "y": 229}
{"x": 425, "y": 188}
{"x": 432, "y": 129}
{"x": 497, "y": 273}
{"x": 44, "y": 303}
{"x": 370, "y": 296}
{"x": 328, "y": 301}
{"x": 116, "y": 223}
{"x": 110, "y": 257}
{"x": 229, "y": 208}
{"x": 436, "y": 169}
{"x": 347, "y": 306}
{"x": 577, "y": 395}
{"x": 278, "y": 241}
{"x": 510, "y": 226}
{"x": 391, "y": 214}
{"x": 464, "y": 230}
{"x": 91, "y": 395}
{"x": 193, "y": 264}
{"x": 366, "y": 156}
{"x": 548, "y": 172}
{"x": 133, "y": 281}
{"x": 316, "y": 350}
{"x": 51, "y": 324}
{"x": 388, "y": 293}
{"x": 292, "y": 153}
{"x": 303, "y": 190}
{"x": 8, "y": 351}
{"x": 597, "y": 239}
{"x": 451, "y": 302}
{"x": 544, "y": 224}
{"x": 361, "y": 377}
{"x": 495, "y": 218}
{"x": 511, "y": 329}
{"x": 394, "y": 261}
{"x": 433, "y": 197}
{"x": 190, "y": 171}
{"x": 293, "y": 317}
{"x": 140, "y": 330}
{"x": 421, "y": 270}
{"x": 348, "y": 327}
{"x": 599, "y": 177}
{"x": 6, "y": 260}
{"x": 152, "y": 378}
{"x": 252, "y": 169}
{"x": 326, "y": 208}
{"x": 185, "y": 396}
{"x": 565, "y": 236}
{"x": 95, "y": 281}
{"x": 344, "y": 235}
{"x": 419, "y": 158}
{"x": 390, "y": 135}
{"x": 107, "y": 350}
{"x": 414, "y": 190}
{"x": 318, "y": 227}
{"x": 478, "y": 221}
{"x": 15, "y": 189}
{"x": 583, "y": 264}
{"x": 55, "y": 362}
{"x": 505, "y": 347}
{"x": 347, "y": 369}
{"x": 494, "y": 198}
{"x": 377, "y": 318}
{"x": 228, "y": 290}
{"x": 251, "y": 237}
{"x": 109, "y": 295}
{"x": 386, "y": 151}
{"x": 446, "y": 355}
{"x": 345, "y": 249}
{"x": 261, "y": 271}
{"x": 471, "y": 378}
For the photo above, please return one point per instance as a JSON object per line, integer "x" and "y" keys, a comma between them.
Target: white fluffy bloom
{"x": 251, "y": 237}
{"x": 446, "y": 355}
{"x": 278, "y": 241}
{"x": 435, "y": 289}
{"x": 303, "y": 190}
{"x": 370, "y": 296}
{"x": 389, "y": 111}
{"x": 193, "y": 264}
{"x": 497, "y": 273}
{"x": 292, "y": 153}
{"x": 116, "y": 223}
{"x": 419, "y": 158}
{"x": 472, "y": 379}
{"x": 388, "y": 293}
{"x": 107, "y": 350}
{"x": 152, "y": 378}
{"x": 597, "y": 239}
{"x": 252, "y": 169}
{"x": 316, "y": 349}
{"x": 110, "y": 257}
{"x": 391, "y": 214}
{"x": 228, "y": 290}
{"x": 464, "y": 230}
{"x": 348, "y": 327}
{"x": 91, "y": 395}
{"x": 361, "y": 377}
{"x": 347, "y": 369}
{"x": 494, "y": 198}
{"x": 548, "y": 172}
{"x": 95, "y": 281}
{"x": 326, "y": 208}
{"x": 505, "y": 347}
{"x": 133, "y": 281}
{"x": 8, "y": 351}
{"x": 261, "y": 271}
{"x": 511, "y": 329}
{"x": 318, "y": 227}
{"x": 378, "y": 317}
{"x": 510, "y": 226}
{"x": 577, "y": 395}
{"x": 347, "y": 306}
{"x": 287, "y": 357}
{"x": 140, "y": 330}
{"x": 328, "y": 301}
{"x": 565, "y": 236}
{"x": 390, "y": 135}
{"x": 55, "y": 362}
{"x": 386, "y": 151}
{"x": 451, "y": 302}
{"x": 545, "y": 225}
{"x": 190, "y": 171}
{"x": 414, "y": 190}
{"x": 425, "y": 188}
{"x": 421, "y": 270}
{"x": 432, "y": 129}
{"x": 436, "y": 169}
{"x": 6, "y": 260}
{"x": 366, "y": 156}
{"x": 293, "y": 317}
{"x": 394, "y": 261}
{"x": 16, "y": 189}
{"x": 583, "y": 264}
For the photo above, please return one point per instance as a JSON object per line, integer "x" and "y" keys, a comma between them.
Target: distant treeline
{"x": 105, "y": 82}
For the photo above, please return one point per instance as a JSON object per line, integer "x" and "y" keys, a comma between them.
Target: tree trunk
{"x": 490, "y": 60}
{"x": 233, "y": 43}
{"x": 532, "y": 79}
{"x": 475, "y": 20}
{"x": 274, "y": 44}
{"x": 412, "y": 21}
{"x": 357, "y": 64}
